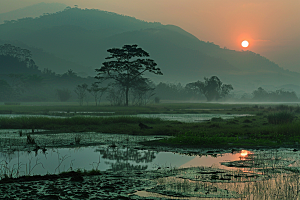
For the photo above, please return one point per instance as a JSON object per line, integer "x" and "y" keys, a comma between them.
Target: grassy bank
{"x": 72, "y": 108}
{"x": 259, "y": 130}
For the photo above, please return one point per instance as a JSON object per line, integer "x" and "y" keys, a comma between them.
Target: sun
{"x": 245, "y": 44}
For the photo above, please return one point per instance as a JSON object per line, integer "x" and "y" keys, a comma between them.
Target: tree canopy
{"x": 16, "y": 60}
{"x": 126, "y": 65}
{"x": 213, "y": 88}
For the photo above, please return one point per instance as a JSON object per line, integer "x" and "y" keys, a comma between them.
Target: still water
{"x": 188, "y": 118}
{"x": 102, "y": 158}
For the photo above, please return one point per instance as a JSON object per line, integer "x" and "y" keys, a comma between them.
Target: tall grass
{"x": 282, "y": 117}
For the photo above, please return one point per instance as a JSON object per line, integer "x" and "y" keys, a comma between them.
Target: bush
{"x": 281, "y": 117}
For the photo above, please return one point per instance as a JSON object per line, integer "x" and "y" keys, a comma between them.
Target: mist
{"x": 270, "y": 25}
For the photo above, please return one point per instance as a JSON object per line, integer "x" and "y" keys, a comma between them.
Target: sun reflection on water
{"x": 244, "y": 153}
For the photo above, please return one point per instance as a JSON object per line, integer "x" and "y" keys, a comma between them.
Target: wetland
{"x": 228, "y": 153}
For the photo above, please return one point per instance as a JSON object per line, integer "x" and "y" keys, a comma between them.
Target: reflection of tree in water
{"x": 122, "y": 156}
{"x": 118, "y": 166}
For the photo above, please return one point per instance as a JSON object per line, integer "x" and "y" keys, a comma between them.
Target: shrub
{"x": 281, "y": 117}
{"x": 30, "y": 140}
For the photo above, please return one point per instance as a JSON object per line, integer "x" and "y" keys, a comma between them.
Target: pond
{"x": 103, "y": 158}
{"x": 256, "y": 174}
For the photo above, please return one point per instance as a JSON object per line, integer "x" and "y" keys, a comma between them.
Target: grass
{"x": 271, "y": 126}
{"x": 249, "y": 131}
{"x": 242, "y": 131}
{"x": 72, "y": 108}
{"x": 282, "y": 117}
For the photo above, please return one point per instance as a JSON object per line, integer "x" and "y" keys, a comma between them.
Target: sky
{"x": 271, "y": 26}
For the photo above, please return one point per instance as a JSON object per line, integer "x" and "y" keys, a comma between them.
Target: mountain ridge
{"x": 32, "y": 11}
{"x": 82, "y": 36}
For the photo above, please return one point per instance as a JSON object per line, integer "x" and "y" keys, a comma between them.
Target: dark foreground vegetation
{"x": 267, "y": 126}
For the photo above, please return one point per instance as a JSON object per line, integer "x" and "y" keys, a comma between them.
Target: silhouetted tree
{"x": 17, "y": 60}
{"x": 81, "y": 92}
{"x": 212, "y": 88}
{"x": 170, "y": 91}
{"x": 260, "y": 94}
{"x": 124, "y": 69}
{"x": 116, "y": 95}
{"x": 279, "y": 95}
{"x": 97, "y": 92}
{"x": 142, "y": 91}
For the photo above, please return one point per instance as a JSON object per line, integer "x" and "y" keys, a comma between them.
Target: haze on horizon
{"x": 271, "y": 26}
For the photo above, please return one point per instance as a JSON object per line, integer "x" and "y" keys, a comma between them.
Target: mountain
{"x": 32, "y": 11}
{"x": 79, "y": 38}
{"x": 50, "y": 61}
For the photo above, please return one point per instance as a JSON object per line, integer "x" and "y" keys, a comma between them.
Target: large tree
{"x": 212, "y": 88}
{"x": 125, "y": 66}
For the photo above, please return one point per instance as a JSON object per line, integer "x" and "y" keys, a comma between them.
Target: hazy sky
{"x": 271, "y": 26}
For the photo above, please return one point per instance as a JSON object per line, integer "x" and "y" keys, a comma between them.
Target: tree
{"x": 81, "y": 92}
{"x": 9, "y": 54}
{"x": 260, "y": 94}
{"x": 97, "y": 92}
{"x": 6, "y": 92}
{"x": 279, "y": 95}
{"x": 63, "y": 94}
{"x": 124, "y": 69}
{"x": 17, "y": 84}
{"x": 170, "y": 91}
{"x": 142, "y": 91}
{"x": 212, "y": 88}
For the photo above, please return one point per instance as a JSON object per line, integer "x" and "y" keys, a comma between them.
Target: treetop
{"x": 127, "y": 52}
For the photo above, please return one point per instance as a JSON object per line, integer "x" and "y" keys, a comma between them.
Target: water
{"x": 169, "y": 117}
{"x": 243, "y": 174}
{"x": 103, "y": 158}
{"x": 191, "y": 117}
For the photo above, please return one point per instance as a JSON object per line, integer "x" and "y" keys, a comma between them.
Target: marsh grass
{"x": 264, "y": 129}
{"x": 241, "y": 131}
{"x": 282, "y": 117}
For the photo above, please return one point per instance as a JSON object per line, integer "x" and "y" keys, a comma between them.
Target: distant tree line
{"x": 211, "y": 89}
{"x": 261, "y": 95}
{"x": 120, "y": 81}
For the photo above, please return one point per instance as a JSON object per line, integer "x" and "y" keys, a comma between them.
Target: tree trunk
{"x": 126, "y": 96}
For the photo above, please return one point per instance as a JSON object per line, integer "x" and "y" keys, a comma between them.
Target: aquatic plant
{"x": 77, "y": 139}
{"x": 30, "y": 140}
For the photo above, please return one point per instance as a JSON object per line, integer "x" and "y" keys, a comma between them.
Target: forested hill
{"x": 89, "y": 19}
{"x": 32, "y": 11}
{"x": 82, "y": 36}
